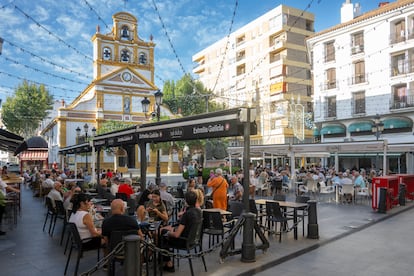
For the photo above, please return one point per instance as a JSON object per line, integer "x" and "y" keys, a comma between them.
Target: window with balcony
{"x": 241, "y": 69}
{"x": 398, "y": 32}
{"x": 358, "y": 102}
{"x": 357, "y": 43}
{"x": 359, "y": 72}
{"x": 240, "y": 39}
{"x": 400, "y": 97}
{"x": 398, "y": 63}
{"x": 240, "y": 55}
{"x": 330, "y": 78}
{"x": 331, "y": 107}
{"x": 329, "y": 51}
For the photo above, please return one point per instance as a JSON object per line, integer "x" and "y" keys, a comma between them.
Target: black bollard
{"x": 313, "y": 228}
{"x": 132, "y": 255}
{"x": 382, "y": 204}
{"x": 401, "y": 194}
{"x": 248, "y": 247}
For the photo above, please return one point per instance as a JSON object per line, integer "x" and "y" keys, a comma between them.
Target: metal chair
{"x": 302, "y": 212}
{"x": 76, "y": 242}
{"x": 213, "y": 226}
{"x": 50, "y": 214}
{"x": 274, "y": 215}
{"x": 115, "y": 239}
{"x": 191, "y": 242}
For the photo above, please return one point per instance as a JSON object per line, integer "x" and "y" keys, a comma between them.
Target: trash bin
{"x": 382, "y": 201}
{"x": 402, "y": 189}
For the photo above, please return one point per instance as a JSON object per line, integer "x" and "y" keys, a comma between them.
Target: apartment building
{"x": 363, "y": 76}
{"x": 264, "y": 64}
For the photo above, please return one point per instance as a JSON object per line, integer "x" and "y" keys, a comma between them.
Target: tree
{"x": 188, "y": 97}
{"x": 23, "y": 112}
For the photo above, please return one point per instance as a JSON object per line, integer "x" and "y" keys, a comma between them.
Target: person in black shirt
{"x": 118, "y": 221}
{"x": 189, "y": 219}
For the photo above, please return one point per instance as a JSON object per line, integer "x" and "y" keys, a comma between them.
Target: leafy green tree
{"x": 188, "y": 97}
{"x": 23, "y": 112}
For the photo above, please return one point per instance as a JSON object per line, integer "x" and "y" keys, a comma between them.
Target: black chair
{"x": 60, "y": 214}
{"x": 77, "y": 243}
{"x": 236, "y": 208}
{"x": 122, "y": 196}
{"x": 191, "y": 242}
{"x": 115, "y": 239}
{"x": 50, "y": 213}
{"x": 302, "y": 212}
{"x": 213, "y": 226}
{"x": 274, "y": 215}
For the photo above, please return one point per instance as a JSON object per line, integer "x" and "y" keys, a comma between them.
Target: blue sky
{"x": 49, "y": 41}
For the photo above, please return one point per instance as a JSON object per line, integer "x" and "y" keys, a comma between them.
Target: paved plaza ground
{"x": 353, "y": 240}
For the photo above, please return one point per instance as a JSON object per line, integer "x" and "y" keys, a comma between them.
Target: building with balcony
{"x": 264, "y": 64}
{"x": 363, "y": 75}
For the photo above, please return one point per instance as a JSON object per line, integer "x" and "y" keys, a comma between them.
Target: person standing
{"x": 219, "y": 193}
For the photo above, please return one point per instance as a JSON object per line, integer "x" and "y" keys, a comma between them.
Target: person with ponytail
{"x": 84, "y": 221}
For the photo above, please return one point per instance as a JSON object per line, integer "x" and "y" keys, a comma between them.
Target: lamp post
{"x": 145, "y": 104}
{"x": 78, "y": 132}
{"x": 377, "y": 129}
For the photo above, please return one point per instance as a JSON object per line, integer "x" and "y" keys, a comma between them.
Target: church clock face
{"x": 126, "y": 76}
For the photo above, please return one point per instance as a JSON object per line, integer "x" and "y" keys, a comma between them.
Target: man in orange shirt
{"x": 219, "y": 186}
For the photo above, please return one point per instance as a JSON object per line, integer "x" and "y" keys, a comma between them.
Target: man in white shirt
{"x": 114, "y": 186}
{"x": 56, "y": 193}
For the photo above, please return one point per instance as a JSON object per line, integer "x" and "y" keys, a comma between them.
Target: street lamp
{"x": 78, "y": 132}
{"x": 145, "y": 104}
{"x": 377, "y": 129}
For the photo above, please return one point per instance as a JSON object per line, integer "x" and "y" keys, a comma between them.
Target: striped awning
{"x": 33, "y": 155}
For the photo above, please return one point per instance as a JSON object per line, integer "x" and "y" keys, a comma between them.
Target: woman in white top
{"x": 83, "y": 219}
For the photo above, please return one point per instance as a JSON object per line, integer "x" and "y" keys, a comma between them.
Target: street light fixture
{"x": 78, "y": 132}
{"x": 377, "y": 129}
{"x": 145, "y": 104}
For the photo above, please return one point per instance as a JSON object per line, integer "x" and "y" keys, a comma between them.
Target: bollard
{"x": 248, "y": 253}
{"x": 401, "y": 194}
{"x": 313, "y": 228}
{"x": 132, "y": 255}
{"x": 382, "y": 203}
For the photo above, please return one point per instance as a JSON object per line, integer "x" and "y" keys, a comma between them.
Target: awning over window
{"x": 360, "y": 126}
{"x": 33, "y": 155}
{"x": 316, "y": 132}
{"x": 398, "y": 122}
{"x": 333, "y": 129}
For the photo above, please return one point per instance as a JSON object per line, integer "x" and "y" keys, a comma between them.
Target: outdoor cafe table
{"x": 286, "y": 204}
{"x": 222, "y": 212}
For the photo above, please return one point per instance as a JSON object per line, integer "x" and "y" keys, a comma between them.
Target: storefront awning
{"x": 33, "y": 155}
{"x": 360, "y": 126}
{"x": 400, "y": 122}
{"x": 333, "y": 129}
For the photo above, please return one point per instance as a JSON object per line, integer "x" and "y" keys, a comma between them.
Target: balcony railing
{"x": 401, "y": 68}
{"x": 359, "y": 78}
{"x": 330, "y": 84}
{"x": 397, "y": 37}
{"x": 402, "y": 102}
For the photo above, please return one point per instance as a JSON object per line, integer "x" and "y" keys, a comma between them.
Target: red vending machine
{"x": 408, "y": 180}
{"x": 390, "y": 182}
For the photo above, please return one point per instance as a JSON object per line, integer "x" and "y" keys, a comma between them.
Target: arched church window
{"x": 106, "y": 53}
{"x": 125, "y": 56}
{"x": 142, "y": 58}
{"x": 125, "y": 33}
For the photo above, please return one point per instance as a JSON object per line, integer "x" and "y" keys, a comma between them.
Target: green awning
{"x": 360, "y": 126}
{"x": 316, "y": 132}
{"x": 400, "y": 122}
{"x": 333, "y": 129}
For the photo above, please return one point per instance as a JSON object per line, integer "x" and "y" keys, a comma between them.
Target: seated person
{"x": 84, "y": 221}
{"x": 155, "y": 208}
{"x": 56, "y": 193}
{"x": 126, "y": 187}
{"x": 118, "y": 221}
{"x": 189, "y": 219}
{"x": 146, "y": 194}
{"x": 237, "y": 189}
